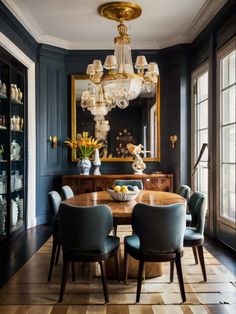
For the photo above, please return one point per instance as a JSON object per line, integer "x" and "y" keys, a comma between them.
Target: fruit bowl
{"x": 122, "y": 197}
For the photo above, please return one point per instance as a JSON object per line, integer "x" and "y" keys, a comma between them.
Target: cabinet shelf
{"x": 18, "y": 131}
{"x": 13, "y": 101}
{"x": 18, "y": 160}
{"x": 2, "y": 96}
{"x": 13, "y": 123}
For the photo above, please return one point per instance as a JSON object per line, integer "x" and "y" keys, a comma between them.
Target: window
{"x": 200, "y": 127}
{"x": 227, "y": 130}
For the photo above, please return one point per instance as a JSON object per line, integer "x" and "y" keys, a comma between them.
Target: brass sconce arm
{"x": 173, "y": 139}
{"x": 53, "y": 140}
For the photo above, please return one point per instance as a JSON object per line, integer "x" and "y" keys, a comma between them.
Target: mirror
{"x": 139, "y": 123}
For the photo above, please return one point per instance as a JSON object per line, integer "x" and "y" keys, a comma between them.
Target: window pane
{"x": 202, "y": 115}
{"x": 228, "y": 69}
{"x": 202, "y": 177}
{"x": 202, "y": 87}
{"x": 228, "y": 191}
{"x": 228, "y": 105}
{"x": 228, "y": 143}
{"x": 228, "y": 137}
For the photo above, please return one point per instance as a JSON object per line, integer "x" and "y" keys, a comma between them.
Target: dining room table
{"x": 122, "y": 215}
{"x": 122, "y": 211}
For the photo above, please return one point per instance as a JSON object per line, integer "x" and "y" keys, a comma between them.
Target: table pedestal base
{"x": 150, "y": 269}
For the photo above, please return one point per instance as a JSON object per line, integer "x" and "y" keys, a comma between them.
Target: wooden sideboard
{"x": 92, "y": 183}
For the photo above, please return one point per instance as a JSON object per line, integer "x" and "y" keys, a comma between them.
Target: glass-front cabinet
{"x": 12, "y": 145}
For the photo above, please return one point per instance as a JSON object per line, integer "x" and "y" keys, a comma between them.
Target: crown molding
{"x": 205, "y": 14}
{"x": 28, "y": 24}
{"x": 209, "y": 9}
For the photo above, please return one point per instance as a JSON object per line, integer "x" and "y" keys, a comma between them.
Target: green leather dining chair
{"x": 185, "y": 191}
{"x": 66, "y": 192}
{"x": 138, "y": 183}
{"x": 85, "y": 238}
{"x": 54, "y": 200}
{"x": 194, "y": 235}
{"x": 158, "y": 237}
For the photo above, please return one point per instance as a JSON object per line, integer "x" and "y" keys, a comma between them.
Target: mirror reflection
{"x": 139, "y": 123}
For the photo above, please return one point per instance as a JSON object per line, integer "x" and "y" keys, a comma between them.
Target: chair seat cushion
{"x": 192, "y": 234}
{"x": 111, "y": 245}
{"x": 132, "y": 246}
{"x": 132, "y": 243}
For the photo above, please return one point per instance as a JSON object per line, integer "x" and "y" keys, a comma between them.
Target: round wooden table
{"x": 122, "y": 212}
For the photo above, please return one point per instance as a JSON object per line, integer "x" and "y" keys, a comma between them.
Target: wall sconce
{"x": 173, "y": 139}
{"x": 53, "y": 140}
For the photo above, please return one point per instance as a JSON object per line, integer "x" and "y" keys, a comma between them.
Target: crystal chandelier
{"x": 120, "y": 84}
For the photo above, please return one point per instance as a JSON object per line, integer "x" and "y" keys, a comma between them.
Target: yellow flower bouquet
{"x": 84, "y": 145}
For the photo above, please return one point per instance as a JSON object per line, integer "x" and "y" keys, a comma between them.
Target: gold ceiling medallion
{"x": 120, "y": 11}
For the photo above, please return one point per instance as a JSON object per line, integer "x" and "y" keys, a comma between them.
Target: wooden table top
{"x": 124, "y": 209}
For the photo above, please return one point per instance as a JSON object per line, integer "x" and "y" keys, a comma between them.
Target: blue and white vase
{"x": 84, "y": 166}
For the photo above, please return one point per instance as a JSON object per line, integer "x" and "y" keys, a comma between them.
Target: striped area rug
{"x": 29, "y": 292}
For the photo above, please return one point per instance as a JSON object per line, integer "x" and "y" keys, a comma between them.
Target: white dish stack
{"x": 20, "y": 208}
{"x": 13, "y": 213}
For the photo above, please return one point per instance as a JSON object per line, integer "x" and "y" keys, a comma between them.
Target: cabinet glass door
{"x": 16, "y": 150}
{"x": 4, "y": 137}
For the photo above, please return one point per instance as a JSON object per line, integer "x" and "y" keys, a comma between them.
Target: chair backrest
{"x": 67, "y": 192}
{"x": 54, "y": 200}
{"x": 185, "y": 191}
{"x": 137, "y": 183}
{"x": 197, "y": 208}
{"x": 84, "y": 228}
{"x": 160, "y": 228}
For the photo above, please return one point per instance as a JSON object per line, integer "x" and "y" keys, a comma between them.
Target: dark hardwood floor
{"x": 20, "y": 248}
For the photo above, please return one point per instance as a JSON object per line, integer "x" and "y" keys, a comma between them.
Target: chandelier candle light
{"x": 120, "y": 84}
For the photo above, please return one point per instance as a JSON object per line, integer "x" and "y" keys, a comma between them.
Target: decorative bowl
{"x": 122, "y": 197}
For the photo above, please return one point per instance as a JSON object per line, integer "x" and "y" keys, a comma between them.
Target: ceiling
{"x": 76, "y": 24}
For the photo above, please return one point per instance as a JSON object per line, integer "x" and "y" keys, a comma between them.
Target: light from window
{"x": 227, "y": 135}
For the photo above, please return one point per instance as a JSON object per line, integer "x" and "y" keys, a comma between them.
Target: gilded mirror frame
{"x": 74, "y": 158}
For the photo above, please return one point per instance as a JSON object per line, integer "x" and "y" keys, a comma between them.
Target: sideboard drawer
{"x": 84, "y": 184}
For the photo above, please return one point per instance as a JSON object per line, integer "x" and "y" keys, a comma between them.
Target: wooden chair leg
{"x": 139, "y": 284}
{"x": 117, "y": 262}
{"x": 73, "y": 270}
{"x": 171, "y": 271}
{"x": 126, "y": 266}
{"x": 195, "y": 254}
{"x": 104, "y": 280}
{"x": 180, "y": 276}
{"x": 114, "y": 230}
{"x": 64, "y": 278}
{"x": 58, "y": 253}
{"x": 54, "y": 248}
{"x": 202, "y": 262}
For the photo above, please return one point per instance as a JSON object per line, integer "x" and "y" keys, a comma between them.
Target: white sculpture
{"x": 96, "y": 162}
{"x": 138, "y": 165}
